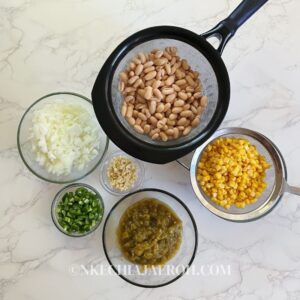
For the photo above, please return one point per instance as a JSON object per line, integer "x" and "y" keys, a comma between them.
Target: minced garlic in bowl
{"x": 121, "y": 173}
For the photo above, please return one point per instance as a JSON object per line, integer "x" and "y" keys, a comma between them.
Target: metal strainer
{"x": 276, "y": 178}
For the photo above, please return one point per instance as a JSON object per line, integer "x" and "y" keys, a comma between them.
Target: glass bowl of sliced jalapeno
{"x": 77, "y": 209}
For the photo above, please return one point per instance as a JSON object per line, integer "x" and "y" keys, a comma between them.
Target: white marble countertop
{"x": 48, "y": 46}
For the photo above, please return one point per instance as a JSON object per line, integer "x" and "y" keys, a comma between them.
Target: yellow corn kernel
{"x": 232, "y": 172}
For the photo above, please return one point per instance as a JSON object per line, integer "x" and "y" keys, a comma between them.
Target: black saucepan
{"x": 201, "y": 55}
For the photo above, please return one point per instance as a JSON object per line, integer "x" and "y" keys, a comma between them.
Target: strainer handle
{"x": 226, "y": 29}
{"x": 183, "y": 164}
{"x": 293, "y": 190}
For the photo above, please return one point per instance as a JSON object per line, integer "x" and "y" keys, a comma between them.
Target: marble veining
{"x": 48, "y": 46}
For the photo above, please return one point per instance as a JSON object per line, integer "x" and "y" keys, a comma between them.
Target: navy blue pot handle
{"x": 226, "y": 29}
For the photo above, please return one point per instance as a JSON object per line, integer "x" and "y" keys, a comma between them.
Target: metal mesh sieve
{"x": 276, "y": 177}
{"x": 198, "y": 63}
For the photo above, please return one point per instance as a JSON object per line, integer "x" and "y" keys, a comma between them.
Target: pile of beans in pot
{"x": 162, "y": 95}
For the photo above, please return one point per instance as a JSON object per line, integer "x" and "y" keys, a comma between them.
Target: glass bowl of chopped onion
{"x": 120, "y": 173}
{"x": 59, "y": 138}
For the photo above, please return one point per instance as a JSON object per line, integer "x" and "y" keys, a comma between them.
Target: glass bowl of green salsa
{"x": 77, "y": 209}
{"x": 150, "y": 238}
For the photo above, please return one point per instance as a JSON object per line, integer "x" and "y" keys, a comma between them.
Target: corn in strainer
{"x": 276, "y": 178}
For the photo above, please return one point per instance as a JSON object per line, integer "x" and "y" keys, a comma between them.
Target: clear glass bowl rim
{"x": 57, "y": 198}
{"x": 19, "y": 145}
{"x": 194, "y": 226}
{"x": 108, "y": 157}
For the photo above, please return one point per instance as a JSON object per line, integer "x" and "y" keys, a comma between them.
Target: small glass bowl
{"x": 70, "y": 188}
{"x": 153, "y": 277}
{"x": 25, "y": 148}
{"x": 105, "y": 181}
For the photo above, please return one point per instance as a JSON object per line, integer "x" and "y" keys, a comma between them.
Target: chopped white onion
{"x": 64, "y": 136}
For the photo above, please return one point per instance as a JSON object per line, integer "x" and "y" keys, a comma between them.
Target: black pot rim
{"x": 102, "y": 99}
